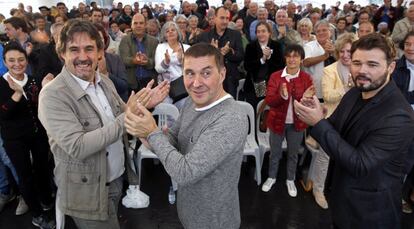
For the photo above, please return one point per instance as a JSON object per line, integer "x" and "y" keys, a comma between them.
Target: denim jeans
{"x": 4, "y": 164}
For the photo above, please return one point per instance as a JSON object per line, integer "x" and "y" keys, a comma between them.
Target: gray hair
{"x": 192, "y": 16}
{"x": 262, "y": 10}
{"x": 164, "y": 28}
{"x": 55, "y": 26}
{"x": 321, "y": 22}
{"x": 180, "y": 16}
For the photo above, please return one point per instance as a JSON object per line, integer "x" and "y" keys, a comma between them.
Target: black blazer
{"x": 231, "y": 59}
{"x": 48, "y": 62}
{"x": 368, "y": 154}
{"x": 256, "y": 71}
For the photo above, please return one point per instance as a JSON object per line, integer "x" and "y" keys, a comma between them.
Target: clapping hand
{"x": 139, "y": 123}
{"x": 283, "y": 90}
{"x": 267, "y": 52}
{"x": 14, "y": 86}
{"x": 214, "y": 43}
{"x": 310, "y": 92}
{"x": 225, "y": 49}
{"x": 167, "y": 58}
{"x": 49, "y": 77}
{"x": 309, "y": 110}
{"x": 158, "y": 94}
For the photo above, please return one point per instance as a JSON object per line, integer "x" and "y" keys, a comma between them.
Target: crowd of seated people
{"x": 145, "y": 43}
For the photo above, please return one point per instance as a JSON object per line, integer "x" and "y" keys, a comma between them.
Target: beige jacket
{"x": 332, "y": 87}
{"x": 77, "y": 140}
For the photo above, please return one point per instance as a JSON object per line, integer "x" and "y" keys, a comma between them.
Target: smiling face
{"x": 16, "y": 63}
{"x": 262, "y": 34}
{"x": 345, "y": 54}
{"x": 409, "y": 49}
{"x": 171, "y": 34}
{"x": 203, "y": 80}
{"x": 81, "y": 56}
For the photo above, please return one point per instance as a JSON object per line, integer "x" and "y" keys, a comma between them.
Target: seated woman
{"x": 24, "y": 137}
{"x": 169, "y": 56}
{"x": 284, "y": 87}
{"x": 262, "y": 57}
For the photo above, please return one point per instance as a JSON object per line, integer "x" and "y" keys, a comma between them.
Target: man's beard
{"x": 374, "y": 85}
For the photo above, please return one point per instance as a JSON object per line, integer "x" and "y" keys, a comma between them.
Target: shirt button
{"x": 86, "y": 123}
{"x": 84, "y": 179}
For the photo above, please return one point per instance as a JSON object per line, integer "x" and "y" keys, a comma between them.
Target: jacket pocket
{"x": 371, "y": 209}
{"x": 83, "y": 191}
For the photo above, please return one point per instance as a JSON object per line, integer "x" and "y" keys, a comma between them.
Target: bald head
{"x": 138, "y": 25}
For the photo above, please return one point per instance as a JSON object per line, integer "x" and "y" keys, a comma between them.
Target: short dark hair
{"x": 205, "y": 49}
{"x": 74, "y": 26}
{"x": 402, "y": 43}
{"x": 221, "y": 7}
{"x": 341, "y": 19}
{"x": 17, "y": 23}
{"x": 291, "y": 48}
{"x": 375, "y": 41}
{"x": 13, "y": 46}
{"x": 61, "y": 4}
{"x": 105, "y": 35}
{"x": 96, "y": 10}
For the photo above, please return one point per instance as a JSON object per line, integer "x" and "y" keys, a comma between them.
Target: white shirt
{"x": 22, "y": 83}
{"x": 172, "y": 71}
{"x": 215, "y": 103}
{"x": 289, "y": 115}
{"x": 410, "y": 67}
{"x": 313, "y": 49}
{"x": 115, "y": 158}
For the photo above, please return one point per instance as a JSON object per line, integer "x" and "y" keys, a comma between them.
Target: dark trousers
{"x": 230, "y": 85}
{"x": 34, "y": 176}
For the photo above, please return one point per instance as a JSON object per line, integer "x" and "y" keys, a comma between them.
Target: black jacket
{"x": 48, "y": 62}
{"x": 19, "y": 119}
{"x": 117, "y": 74}
{"x": 401, "y": 77}
{"x": 233, "y": 58}
{"x": 369, "y": 152}
{"x": 256, "y": 71}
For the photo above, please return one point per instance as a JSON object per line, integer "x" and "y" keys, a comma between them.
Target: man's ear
{"x": 222, "y": 74}
{"x": 391, "y": 67}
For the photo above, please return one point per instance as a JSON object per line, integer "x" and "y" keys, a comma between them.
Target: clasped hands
{"x": 139, "y": 122}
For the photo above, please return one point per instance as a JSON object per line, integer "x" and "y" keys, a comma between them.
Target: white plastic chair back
{"x": 240, "y": 88}
{"x": 251, "y": 147}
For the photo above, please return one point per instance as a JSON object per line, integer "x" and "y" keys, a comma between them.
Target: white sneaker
{"x": 267, "y": 185}
{"x": 22, "y": 207}
{"x": 291, "y": 188}
{"x": 135, "y": 198}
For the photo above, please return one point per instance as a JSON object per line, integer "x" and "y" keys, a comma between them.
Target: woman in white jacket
{"x": 169, "y": 56}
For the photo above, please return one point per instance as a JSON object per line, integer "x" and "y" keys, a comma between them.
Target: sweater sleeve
{"x": 212, "y": 147}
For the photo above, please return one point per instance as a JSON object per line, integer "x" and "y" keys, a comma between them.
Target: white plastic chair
{"x": 251, "y": 148}
{"x": 263, "y": 137}
{"x": 166, "y": 112}
{"x": 240, "y": 88}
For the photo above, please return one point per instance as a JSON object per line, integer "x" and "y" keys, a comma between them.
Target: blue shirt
{"x": 141, "y": 72}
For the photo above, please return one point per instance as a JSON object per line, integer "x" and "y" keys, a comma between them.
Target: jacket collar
{"x": 72, "y": 85}
{"x": 401, "y": 63}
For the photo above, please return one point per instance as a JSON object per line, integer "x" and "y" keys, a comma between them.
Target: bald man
{"x": 137, "y": 51}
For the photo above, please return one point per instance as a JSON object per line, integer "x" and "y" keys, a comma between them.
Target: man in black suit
{"x": 230, "y": 45}
{"x": 367, "y": 137}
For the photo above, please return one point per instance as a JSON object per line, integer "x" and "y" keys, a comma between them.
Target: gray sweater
{"x": 203, "y": 154}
